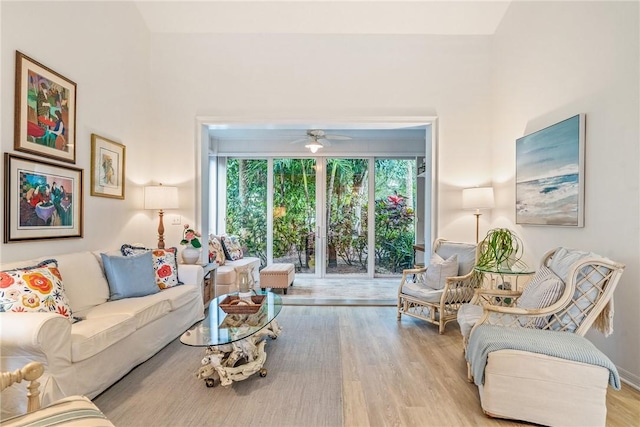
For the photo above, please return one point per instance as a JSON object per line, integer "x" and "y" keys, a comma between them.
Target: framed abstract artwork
{"x": 550, "y": 175}
{"x": 45, "y": 111}
{"x": 42, "y": 200}
{"x": 107, "y": 168}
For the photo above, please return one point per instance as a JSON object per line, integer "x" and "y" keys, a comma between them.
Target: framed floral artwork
{"x": 45, "y": 108}
{"x": 107, "y": 168}
{"x": 42, "y": 200}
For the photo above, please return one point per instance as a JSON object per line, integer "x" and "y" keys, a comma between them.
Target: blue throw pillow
{"x": 130, "y": 276}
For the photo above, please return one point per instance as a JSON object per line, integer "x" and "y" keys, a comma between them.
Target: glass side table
{"x": 506, "y": 278}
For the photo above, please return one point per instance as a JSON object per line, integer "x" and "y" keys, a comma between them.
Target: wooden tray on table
{"x": 233, "y": 304}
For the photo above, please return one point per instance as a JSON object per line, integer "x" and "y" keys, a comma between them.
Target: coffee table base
{"x": 220, "y": 361}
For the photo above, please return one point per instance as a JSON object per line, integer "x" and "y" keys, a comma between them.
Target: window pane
{"x": 347, "y": 193}
{"x": 294, "y": 212}
{"x": 394, "y": 215}
{"x": 247, "y": 205}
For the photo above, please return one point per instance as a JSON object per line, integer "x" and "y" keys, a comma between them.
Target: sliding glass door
{"x": 316, "y": 213}
{"x": 346, "y": 203}
{"x": 294, "y": 213}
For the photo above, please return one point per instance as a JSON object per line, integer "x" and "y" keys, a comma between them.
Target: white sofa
{"x": 226, "y": 274}
{"x": 86, "y": 357}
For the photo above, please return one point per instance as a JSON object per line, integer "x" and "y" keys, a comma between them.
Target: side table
{"x": 497, "y": 277}
{"x": 209, "y": 285}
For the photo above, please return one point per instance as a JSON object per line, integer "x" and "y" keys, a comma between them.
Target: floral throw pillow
{"x": 232, "y": 248}
{"x": 216, "y": 252}
{"x": 34, "y": 289}
{"x": 165, "y": 263}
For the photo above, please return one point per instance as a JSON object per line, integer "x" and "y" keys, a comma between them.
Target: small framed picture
{"x": 42, "y": 200}
{"x": 45, "y": 108}
{"x": 107, "y": 168}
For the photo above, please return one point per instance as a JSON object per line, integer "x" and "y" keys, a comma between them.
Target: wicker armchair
{"x": 439, "y": 306}
{"x": 589, "y": 283}
{"x": 72, "y": 410}
{"x": 533, "y": 383}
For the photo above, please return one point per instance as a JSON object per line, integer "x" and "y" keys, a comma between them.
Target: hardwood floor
{"x": 406, "y": 374}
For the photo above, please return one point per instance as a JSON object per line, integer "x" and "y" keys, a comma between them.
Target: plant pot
{"x": 191, "y": 255}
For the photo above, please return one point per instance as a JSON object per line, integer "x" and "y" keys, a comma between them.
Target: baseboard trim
{"x": 629, "y": 378}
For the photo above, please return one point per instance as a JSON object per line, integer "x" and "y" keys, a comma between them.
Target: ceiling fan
{"x": 317, "y": 139}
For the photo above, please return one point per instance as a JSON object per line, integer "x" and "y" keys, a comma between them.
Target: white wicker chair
{"x": 439, "y": 306}
{"x": 72, "y": 410}
{"x": 532, "y": 386}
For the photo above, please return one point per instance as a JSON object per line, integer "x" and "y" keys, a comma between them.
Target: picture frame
{"x": 43, "y": 200}
{"x": 550, "y": 175}
{"x": 107, "y": 167}
{"x": 45, "y": 111}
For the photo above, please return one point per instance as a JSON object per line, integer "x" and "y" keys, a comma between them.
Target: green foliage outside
{"x": 294, "y": 219}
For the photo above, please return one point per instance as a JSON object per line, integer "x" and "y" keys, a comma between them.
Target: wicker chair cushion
{"x": 544, "y": 289}
{"x": 587, "y": 289}
{"x": 466, "y": 255}
{"x": 420, "y": 291}
{"x": 439, "y": 269}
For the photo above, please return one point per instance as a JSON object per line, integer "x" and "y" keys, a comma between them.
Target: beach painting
{"x": 550, "y": 175}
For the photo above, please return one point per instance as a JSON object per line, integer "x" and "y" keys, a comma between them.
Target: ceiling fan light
{"x": 314, "y": 146}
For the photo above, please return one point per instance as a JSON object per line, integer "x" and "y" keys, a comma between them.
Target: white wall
{"x": 331, "y": 76}
{"x": 552, "y": 60}
{"x": 104, "y": 49}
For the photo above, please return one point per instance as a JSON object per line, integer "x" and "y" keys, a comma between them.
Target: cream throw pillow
{"x": 439, "y": 269}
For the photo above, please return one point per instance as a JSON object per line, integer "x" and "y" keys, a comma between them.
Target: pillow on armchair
{"x": 232, "y": 248}
{"x": 216, "y": 251}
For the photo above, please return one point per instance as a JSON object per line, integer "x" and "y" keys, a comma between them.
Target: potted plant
{"x": 500, "y": 250}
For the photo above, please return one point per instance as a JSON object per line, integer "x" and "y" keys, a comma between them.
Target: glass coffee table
{"x": 234, "y": 342}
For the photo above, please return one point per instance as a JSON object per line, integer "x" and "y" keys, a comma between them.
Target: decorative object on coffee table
{"x": 234, "y": 342}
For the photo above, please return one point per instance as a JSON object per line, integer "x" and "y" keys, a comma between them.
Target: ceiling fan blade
{"x": 338, "y": 137}
{"x": 298, "y": 141}
{"x": 324, "y": 141}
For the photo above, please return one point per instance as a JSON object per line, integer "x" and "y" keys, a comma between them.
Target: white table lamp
{"x": 160, "y": 197}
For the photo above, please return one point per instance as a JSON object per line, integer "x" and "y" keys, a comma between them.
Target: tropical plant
{"x": 394, "y": 233}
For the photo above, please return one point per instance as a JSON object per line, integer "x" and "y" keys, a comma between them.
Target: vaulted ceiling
{"x": 444, "y": 17}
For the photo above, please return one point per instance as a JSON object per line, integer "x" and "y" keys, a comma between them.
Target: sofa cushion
{"x": 439, "y": 269}
{"x": 216, "y": 252}
{"x": 467, "y": 316}
{"x": 232, "y": 248}
{"x": 145, "y": 310}
{"x": 226, "y": 274}
{"x": 34, "y": 289}
{"x": 84, "y": 281}
{"x": 130, "y": 276}
{"x": 91, "y": 336}
{"x": 177, "y": 296}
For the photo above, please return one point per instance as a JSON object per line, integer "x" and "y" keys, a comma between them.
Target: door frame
{"x": 204, "y": 182}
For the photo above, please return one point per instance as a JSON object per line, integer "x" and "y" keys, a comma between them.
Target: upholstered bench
{"x": 277, "y": 276}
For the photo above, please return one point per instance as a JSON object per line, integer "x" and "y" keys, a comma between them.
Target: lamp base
{"x": 477, "y": 214}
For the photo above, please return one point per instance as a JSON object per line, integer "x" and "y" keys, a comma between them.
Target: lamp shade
{"x": 477, "y": 198}
{"x": 160, "y": 197}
